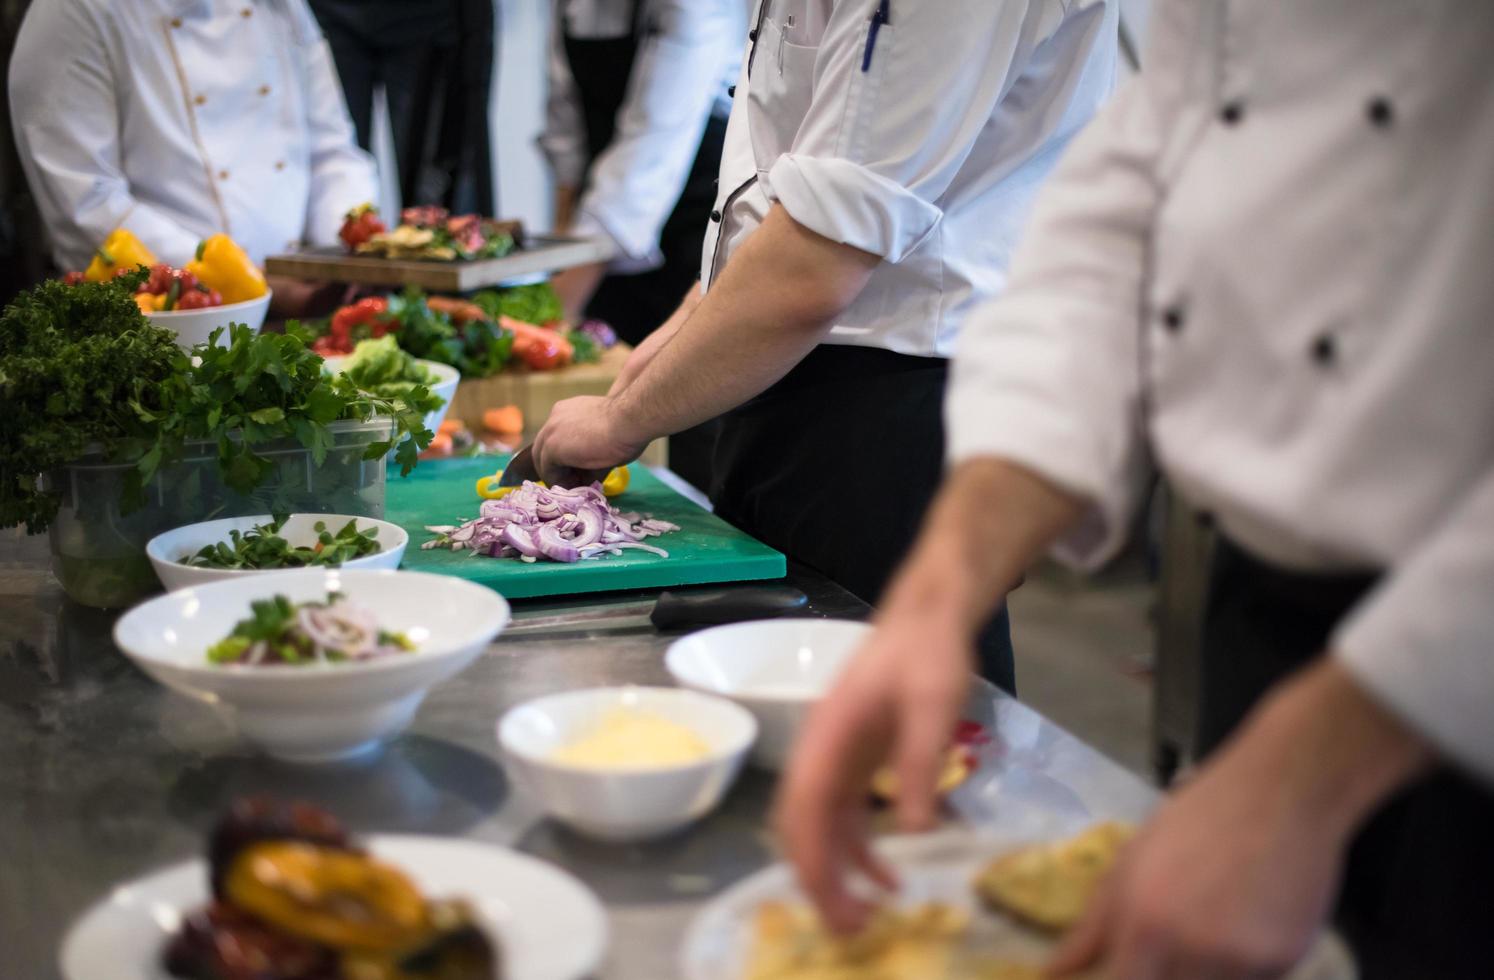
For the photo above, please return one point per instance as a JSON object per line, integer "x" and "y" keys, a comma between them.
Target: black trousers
{"x": 1417, "y": 901}
{"x": 434, "y": 60}
{"x": 835, "y": 466}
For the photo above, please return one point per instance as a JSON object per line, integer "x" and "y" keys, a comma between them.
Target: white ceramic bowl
{"x": 315, "y": 713}
{"x": 625, "y": 804}
{"x": 776, "y": 668}
{"x": 167, "y": 551}
{"x": 445, "y": 385}
{"x": 193, "y": 327}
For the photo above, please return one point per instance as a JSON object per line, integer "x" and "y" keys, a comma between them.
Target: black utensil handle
{"x": 675, "y": 610}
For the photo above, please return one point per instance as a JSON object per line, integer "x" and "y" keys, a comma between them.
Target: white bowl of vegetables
{"x": 382, "y": 367}
{"x": 314, "y": 665}
{"x": 236, "y": 547}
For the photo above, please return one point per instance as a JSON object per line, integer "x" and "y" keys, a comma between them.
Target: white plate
{"x": 936, "y": 867}
{"x": 548, "y": 925}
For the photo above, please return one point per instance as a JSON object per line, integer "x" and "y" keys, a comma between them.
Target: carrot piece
{"x": 451, "y": 426}
{"x": 440, "y": 445}
{"x": 507, "y": 420}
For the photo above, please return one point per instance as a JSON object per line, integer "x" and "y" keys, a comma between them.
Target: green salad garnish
{"x": 262, "y": 547}
{"x": 279, "y": 631}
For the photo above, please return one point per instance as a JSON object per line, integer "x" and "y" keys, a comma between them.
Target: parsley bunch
{"x": 82, "y": 370}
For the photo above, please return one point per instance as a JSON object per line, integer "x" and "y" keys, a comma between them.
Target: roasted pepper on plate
{"x": 222, "y": 265}
{"x": 121, "y": 252}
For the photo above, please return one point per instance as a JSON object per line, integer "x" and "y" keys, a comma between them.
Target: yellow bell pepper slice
{"x": 617, "y": 481}
{"x": 121, "y": 250}
{"x": 487, "y": 486}
{"x": 220, "y": 264}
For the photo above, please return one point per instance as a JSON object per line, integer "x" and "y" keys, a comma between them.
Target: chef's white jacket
{"x": 1270, "y": 264}
{"x": 178, "y": 119}
{"x": 921, "y": 140}
{"x": 687, "y": 59}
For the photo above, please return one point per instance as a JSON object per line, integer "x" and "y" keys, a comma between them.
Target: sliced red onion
{"x": 521, "y": 540}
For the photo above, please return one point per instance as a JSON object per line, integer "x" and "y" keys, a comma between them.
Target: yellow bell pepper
{"x": 616, "y": 482}
{"x": 146, "y": 302}
{"x": 121, "y": 250}
{"x": 220, "y": 264}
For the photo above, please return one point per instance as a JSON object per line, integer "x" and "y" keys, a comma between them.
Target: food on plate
{"x": 295, "y": 898}
{"x": 960, "y": 761}
{"x": 479, "y": 337}
{"x": 632, "y": 739}
{"x": 1050, "y": 885}
{"x": 120, "y": 252}
{"x": 790, "y": 942}
{"x": 429, "y": 232}
{"x": 534, "y": 522}
{"x": 279, "y": 631}
{"x": 262, "y": 547}
{"x": 221, "y": 265}
{"x": 359, "y": 225}
{"x": 381, "y": 367}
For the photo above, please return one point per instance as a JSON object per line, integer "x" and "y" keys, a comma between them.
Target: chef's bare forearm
{"x": 1328, "y": 748}
{"x": 644, "y": 353}
{"x": 990, "y": 521}
{"x": 774, "y": 302}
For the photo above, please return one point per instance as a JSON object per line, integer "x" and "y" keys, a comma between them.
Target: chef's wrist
{"x": 627, "y": 431}
{"x": 1329, "y": 750}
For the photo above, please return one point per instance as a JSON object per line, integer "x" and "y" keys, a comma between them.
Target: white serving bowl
{"x": 625, "y": 804}
{"x": 167, "y": 551}
{"x": 315, "y": 713}
{"x": 776, "y": 668}
{"x": 445, "y": 385}
{"x": 193, "y": 327}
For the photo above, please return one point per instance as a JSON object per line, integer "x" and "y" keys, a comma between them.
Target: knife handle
{"x": 676, "y": 610}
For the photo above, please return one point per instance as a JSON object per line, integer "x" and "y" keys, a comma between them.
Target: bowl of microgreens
{"x": 239, "y": 546}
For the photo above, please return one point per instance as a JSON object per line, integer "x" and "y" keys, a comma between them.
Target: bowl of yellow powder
{"x": 627, "y": 763}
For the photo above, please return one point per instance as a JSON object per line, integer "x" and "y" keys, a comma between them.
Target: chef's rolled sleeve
{"x": 896, "y": 108}
{"x": 1422, "y": 644}
{"x": 852, "y": 204}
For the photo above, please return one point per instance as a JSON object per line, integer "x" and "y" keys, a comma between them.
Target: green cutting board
{"x": 704, "y": 550}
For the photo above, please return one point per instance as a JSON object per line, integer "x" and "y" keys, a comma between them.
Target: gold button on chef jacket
{"x": 1269, "y": 266}
{"x": 921, "y": 140}
{"x": 134, "y": 114}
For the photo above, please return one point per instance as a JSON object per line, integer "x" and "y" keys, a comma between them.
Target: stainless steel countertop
{"x": 105, "y": 775}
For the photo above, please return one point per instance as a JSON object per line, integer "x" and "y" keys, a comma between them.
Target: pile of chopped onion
{"x": 535, "y": 522}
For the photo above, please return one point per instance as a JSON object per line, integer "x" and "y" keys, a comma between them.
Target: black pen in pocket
{"x": 883, "y": 15}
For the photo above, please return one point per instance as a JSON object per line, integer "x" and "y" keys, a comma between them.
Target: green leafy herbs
{"x": 83, "y": 372}
{"x": 276, "y": 633}
{"x": 536, "y": 303}
{"x": 382, "y": 368}
{"x": 262, "y": 547}
{"x": 478, "y": 349}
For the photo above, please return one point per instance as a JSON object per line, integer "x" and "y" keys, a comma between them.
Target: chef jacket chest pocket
{"x": 781, "y": 84}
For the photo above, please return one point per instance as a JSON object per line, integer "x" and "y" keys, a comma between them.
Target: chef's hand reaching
{"x": 901, "y": 697}
{"x": 583, "y": 433}
{"x": 1233, "y": 876}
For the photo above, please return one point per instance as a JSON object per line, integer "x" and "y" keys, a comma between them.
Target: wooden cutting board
{"x": 705, "y": 550}
{"x": 541, "y": 254}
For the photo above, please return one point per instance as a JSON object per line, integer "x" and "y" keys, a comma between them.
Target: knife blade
{"x": 521, "y": 467}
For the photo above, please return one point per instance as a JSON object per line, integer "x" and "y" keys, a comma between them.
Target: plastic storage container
{"x": 98, "y": 553}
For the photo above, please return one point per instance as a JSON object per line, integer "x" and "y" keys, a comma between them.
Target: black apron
{"x": 1418, "y": 894}
{"x": 635, "y": 305}
{"x": 835, "y": 466}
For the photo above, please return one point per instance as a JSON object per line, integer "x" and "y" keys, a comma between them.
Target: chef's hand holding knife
{"x": 771, "y": 305}
{"x": 1230, "y": 879}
